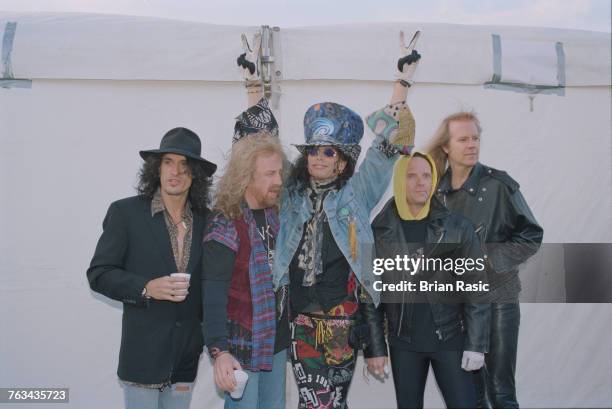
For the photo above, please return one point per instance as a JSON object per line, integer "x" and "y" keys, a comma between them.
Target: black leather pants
{"x": 495, "y": 381}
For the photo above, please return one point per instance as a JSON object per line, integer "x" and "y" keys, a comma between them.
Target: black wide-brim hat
{"x": 182, "y": 141}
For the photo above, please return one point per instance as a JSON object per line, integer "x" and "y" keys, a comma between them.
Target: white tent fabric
{"x": 104, "y": 87}
{"x": 90, "y": 46}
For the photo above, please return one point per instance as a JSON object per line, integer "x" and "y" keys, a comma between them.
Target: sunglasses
{"x": 314, "y": 151}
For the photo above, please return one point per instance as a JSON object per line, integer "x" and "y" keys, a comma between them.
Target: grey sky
{"x": 575, "y": 14}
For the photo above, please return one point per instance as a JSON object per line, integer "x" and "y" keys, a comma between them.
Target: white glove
{"x": 472, "y": 361}
{"x": 249, "y": 60}
{"x": 409, "y": 58}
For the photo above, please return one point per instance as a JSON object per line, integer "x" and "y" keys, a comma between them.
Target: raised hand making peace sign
{"x": 249, "y": 59}
{"x": 409, "y": 59}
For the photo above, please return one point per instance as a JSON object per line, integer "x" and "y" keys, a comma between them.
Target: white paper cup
{"x": 185, "y": 275}
{"x": 241, "y": 380}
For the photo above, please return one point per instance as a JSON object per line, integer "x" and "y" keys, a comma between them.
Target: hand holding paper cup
{"x": 183, "y": 293}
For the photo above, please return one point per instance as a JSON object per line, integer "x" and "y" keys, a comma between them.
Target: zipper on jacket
{"x": 439, "y": 334}
{"x": 438, "y": 242}
{"x": 401, "y": 318}
{"x": 409, "y": 324}
{"x": 399, "y": 326}
{"x": 483, "y": 245}
{"x": 431, "y": 253}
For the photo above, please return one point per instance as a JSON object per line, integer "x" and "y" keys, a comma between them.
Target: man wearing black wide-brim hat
{"x": 146, "y": 258}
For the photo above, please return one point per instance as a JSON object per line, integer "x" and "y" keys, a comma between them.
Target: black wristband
{"x": 404, "y": 83}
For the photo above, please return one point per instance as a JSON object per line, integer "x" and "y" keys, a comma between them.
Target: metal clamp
{"x": 271, "y": 70}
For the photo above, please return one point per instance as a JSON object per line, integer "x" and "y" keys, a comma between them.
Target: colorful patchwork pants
{"x": 322, "y": 360}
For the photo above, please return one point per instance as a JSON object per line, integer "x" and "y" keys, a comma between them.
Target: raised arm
{"x": 258, "y": 116}
{"x": 249, "y": 62}
{"x": 406, "y": 67}
{"x": 394, "y": 130}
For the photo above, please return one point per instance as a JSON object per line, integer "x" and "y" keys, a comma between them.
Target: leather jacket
{"x": 448, "y": 235}
{"x": 373, "y": 321}
{"x": 509, "y": 232}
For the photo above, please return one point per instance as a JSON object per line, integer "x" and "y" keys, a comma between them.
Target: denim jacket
{"x": 354, "y": 201}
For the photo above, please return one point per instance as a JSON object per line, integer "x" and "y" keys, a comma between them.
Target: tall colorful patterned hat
{"x": 328, "y": 123}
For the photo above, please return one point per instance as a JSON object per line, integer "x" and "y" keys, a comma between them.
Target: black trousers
{"x": 410, "y": 371}
{"x": 495, "y": 381}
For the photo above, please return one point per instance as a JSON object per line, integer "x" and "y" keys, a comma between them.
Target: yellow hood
{"x": 399, "y": 187}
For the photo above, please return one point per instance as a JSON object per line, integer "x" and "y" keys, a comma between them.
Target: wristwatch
{"x": 144, "y": 293}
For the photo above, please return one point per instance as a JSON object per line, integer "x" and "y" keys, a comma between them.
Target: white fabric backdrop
{"x": 93, "y": 46}
{"x": 69, "y": 148}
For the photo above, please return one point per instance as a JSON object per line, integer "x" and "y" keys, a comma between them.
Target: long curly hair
{"x": 299, "y": 178}
{"x": 199, "y": 192}
{"x": 240, "y": 168}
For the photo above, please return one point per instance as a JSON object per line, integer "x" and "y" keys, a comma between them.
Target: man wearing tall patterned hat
{"x": 325, "y": 243}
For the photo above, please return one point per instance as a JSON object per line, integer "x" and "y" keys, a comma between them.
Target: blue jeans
{"x": 264, "y": 389}
{"x": 178, "y": 396}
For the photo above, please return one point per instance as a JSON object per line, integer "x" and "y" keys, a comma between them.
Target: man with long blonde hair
{"x": 491, "y": 199}
{"x": 245, "y": 322}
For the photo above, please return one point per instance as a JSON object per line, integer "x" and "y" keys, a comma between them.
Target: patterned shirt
{"x": 181, "y": 260}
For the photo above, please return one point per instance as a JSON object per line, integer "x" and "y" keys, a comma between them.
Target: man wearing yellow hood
{"x": 425, "y": 327}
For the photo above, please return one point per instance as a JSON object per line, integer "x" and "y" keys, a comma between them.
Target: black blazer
{"x": 161, "y": 341}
